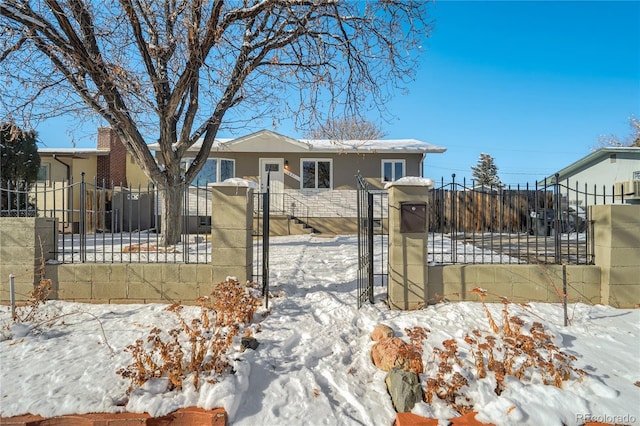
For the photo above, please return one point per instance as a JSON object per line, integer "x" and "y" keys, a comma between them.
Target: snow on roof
{"x": 72, "y": 151}
{"x": 317, "y": 145}
{"x": 380, "y": 145}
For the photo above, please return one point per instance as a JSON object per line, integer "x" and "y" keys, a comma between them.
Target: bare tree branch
{"x": 177, "y": 71}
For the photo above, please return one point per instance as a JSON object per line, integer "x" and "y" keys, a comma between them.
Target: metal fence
{"x": 547, "y": 222}
{"x": 373, "y": 240}
{"x": 109, "y": 223}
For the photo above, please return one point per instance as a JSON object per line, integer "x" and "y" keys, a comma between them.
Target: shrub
{"x": 197, "y": 347}
{"x": 514, "y": 349}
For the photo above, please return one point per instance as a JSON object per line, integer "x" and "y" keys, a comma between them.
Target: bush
{"x": 199, "y": 346}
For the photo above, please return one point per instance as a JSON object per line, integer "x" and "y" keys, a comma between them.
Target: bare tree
{"x": 342, "y": 129}
{"x": 177, "y": 71}
{"x": 632, "y": 140}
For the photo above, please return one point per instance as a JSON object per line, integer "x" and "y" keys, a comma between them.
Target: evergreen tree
{"x": 19, "y": 164}
{"x": 486, "y": 172}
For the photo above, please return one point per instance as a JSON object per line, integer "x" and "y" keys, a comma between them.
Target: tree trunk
{"x": 171, "y": 210}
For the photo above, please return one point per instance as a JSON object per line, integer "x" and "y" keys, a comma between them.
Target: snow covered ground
{"x": 313, "y": 363}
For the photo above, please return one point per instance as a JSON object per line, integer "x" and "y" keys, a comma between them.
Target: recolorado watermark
{"x": 624, "y": 419}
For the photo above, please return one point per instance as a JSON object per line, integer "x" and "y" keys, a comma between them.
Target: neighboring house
{"x": 311, "y": 178}
{"x": 107, "y": 166}
{"x": 614, "y": 171}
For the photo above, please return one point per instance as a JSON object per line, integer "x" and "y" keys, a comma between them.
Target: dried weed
{"x": 198, "y": 347}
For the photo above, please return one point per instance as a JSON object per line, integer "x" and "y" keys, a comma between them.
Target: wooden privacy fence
{"x": 96, "y": 204}
{"x": 468, "y": 210}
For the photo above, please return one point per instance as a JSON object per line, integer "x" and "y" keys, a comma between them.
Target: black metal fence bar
{"x": 373, "y": 240}
{"x": 380, "y": 224}
{"x": 265, "y": 243}
{"x": 365, "y": 266}
{"x": 544, "y": 223}
{"x": 257, "y": 236}
{"x": 103, "y": 222}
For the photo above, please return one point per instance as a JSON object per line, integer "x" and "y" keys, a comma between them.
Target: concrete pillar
{"x": 616, "y": 237}
{"x": 231, "y": 232}
{"x": 25, "y": 243}
{"x": 408, "y": 231}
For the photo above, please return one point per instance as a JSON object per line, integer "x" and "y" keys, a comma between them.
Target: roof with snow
{"x": 73, "y": 152}
{"x": 269, "y": 141}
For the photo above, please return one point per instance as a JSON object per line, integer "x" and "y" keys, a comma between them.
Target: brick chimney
{"x": 111, "y": 167}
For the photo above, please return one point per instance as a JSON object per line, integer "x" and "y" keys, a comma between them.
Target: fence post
{"x": 231, "y": 231}
{"x": 266, "y": 213}
{"x": 12, "y": 295}
{"x": 370, "y": 244}
{"x": 454, "y": 217}
{"x": 408, "y": 241}
{"x": 616, "y": 236}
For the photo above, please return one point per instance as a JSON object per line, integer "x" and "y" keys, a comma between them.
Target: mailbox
{"x": 413, "y": 217}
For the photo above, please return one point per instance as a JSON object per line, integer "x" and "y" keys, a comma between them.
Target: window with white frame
{"x": 392, "y": 170}
{"x": 214, "y": 170}
{"x": 316, "y": 173}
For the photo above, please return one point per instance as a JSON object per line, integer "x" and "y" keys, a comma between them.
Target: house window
{"x": 43, "y": 172}
{"x": 317, "y": 174}
{"x": 214, "y": 170}
{"x": 392, "y": 170}
{"x": 636, "y": 175}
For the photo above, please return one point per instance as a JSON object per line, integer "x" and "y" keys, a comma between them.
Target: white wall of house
{"x": 601, "y": 176}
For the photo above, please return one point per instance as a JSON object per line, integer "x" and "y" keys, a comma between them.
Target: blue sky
{"x": 533, "y": 84}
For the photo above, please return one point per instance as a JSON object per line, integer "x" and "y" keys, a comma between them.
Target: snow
{"x": 378, "y": 145}
{"x": 411, "y": 181}
{"x": 236, "y": 182}
{"x": 312, "y": 365}
{"x": 328, "y": 145}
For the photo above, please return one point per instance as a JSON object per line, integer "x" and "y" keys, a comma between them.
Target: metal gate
{"x": 365, "y": 242}
{"x": 261, "y": 242}
{"x": 373, "y": 239}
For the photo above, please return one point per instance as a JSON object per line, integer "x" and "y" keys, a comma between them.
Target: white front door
{"x": 273, "y": 170}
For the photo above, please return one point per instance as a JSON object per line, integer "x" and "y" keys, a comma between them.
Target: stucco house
{"x": 614, "y": 171}
{"x": 314, "y": 179}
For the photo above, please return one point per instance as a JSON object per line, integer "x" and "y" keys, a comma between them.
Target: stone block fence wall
{"x": 232, "y": 254}
{"x": 613, "y": 280}
{"x": 24, "y": 243}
